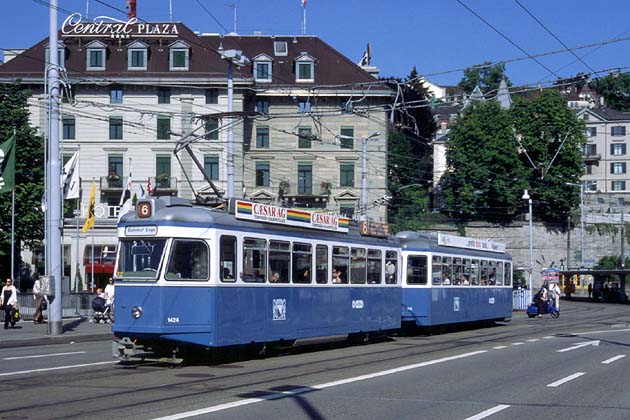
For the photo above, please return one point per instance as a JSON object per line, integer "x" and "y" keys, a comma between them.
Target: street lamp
{"x": 581, "y": 185}
{"x": 531, "y": 243}
{"x": 237, "y": 58}
{"x": 364, "y": 173}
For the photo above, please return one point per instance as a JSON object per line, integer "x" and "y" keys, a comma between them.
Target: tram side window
{"x": 495, "y": 280}
{"x": 321, "y": 264}
{"x": 391, "y": 262}
{"x": 341, "y": 262}
{"x": 279, "y": 261}
{"x": 447, "y": 271}
{"x": 484, "y": 273}
{"x": 436, "y": 271}
{"x": 227, "y": 256}
{"x": 474, "y": 273}
{"x": 500, "y": 273}
{"x": 358, "y": 266}
{"x": 417, "y": 269}
{"x": 458, "y": 272}
{"x": 188, "y": 261}
{"x": 302, "y": 263}
{"x": 374, "y": 266}
{"x": 508, "y": 274}
{"x": 467, "y": 276}
{"x": 254, "y": 260}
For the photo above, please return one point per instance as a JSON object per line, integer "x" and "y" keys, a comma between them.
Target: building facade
{"x": 299, "y": 112}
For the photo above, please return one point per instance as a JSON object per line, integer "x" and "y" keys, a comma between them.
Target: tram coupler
{"x": 126, "y": 350}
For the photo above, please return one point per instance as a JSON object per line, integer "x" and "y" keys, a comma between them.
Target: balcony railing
{"x": 164, "y": 183}
{"x": 591, "y": 157}
{"x": 109, "y": 183}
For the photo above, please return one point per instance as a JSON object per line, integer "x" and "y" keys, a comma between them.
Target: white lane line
{"x": 548, "y": 337}
{"x": 43, "y": 355}
{"x": 600, "y": 332}
{"x": 567, "y": 379}
{"x": 612, "y": 359}
{"x": 56, "y": 368}
{"x": 533, "y": 340}
{"x": 489, "y": 412}
{"x": 226, "y": 406}
{"x": 516, "y": 344}
{"x": 499, "y": 347}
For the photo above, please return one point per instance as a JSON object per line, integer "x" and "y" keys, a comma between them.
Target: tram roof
{"x": 427, "y": 241}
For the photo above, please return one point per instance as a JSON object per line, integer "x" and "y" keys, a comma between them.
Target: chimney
{"x": 131, "y": 7}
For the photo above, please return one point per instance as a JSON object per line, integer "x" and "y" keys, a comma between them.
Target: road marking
{"x": 533, "y": 340}
{"x": 567, "y": 379}
{"x": 600, "y": 332}
{"x": 57, "y": 368}
{"x": 489, "y": 412}
{"x": 580, "y": 345}
{"x": 612, "y": 359}
{"x": 499, "y": 347}
{"x": 516, "y": 344}
{"x": 274, "y": 396}
{"x": 43, "y": 355}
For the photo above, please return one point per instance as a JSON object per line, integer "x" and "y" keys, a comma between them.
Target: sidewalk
{"x": 27, "y": 333}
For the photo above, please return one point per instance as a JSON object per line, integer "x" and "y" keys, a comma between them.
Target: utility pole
{"x": 623, "y": 241}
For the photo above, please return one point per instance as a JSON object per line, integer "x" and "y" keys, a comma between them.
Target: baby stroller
{"x": 102, "y": 311}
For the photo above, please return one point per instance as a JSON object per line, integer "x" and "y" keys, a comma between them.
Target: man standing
{"x": 109, "y": 291}
{"x": 38, "y": 297}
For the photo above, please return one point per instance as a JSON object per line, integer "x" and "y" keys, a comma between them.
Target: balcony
{"x": 591, "y": 157}
{"x": 111, "y": 183}
{"x": 164, "y": 184}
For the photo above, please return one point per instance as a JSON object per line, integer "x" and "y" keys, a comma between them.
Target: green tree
{"x": 615, "y": 88}
{"x": 487, "y": 75}
{"x": 551, "y": 136}
{"x": 486, "y": 177}
{"x": 29, "y": 165}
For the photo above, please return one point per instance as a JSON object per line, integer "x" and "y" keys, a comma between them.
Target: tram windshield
{"x": 140, "y": 258}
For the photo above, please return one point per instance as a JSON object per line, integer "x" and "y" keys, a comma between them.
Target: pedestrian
{"x": 590, "y": 289}
{"x": 8, "y": 299}
{"x": 38, "y": 318}
{"x": 555, "y": 295}
{"x": 541, "y": 301}
{"x": 109, "y": 291}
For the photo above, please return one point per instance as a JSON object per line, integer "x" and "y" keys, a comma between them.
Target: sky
{"x": 439, "y": 37}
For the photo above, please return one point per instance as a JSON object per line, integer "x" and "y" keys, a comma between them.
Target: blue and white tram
{"x": 451, "y": 279}
{"x": 188, "y": 275}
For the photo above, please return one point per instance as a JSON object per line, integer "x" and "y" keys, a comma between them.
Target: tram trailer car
{"x": 194, "y": 276}
{"x": 451, "y": 279}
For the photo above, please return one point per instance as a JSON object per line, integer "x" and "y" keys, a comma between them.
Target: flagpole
{"x": 303, "y": 18}
{"x": 13, "y": 231}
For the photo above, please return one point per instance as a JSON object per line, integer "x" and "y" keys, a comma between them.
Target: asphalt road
{"x": 575, "y": 367}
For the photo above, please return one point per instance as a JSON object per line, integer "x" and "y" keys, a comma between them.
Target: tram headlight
{"x": 136, "y": 312}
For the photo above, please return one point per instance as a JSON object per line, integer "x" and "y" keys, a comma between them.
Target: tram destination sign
{"x": 470, "y": 243}
{"x": 290, "y": 217}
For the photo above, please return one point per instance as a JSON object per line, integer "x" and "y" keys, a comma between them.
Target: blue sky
{"x": 437, "y": 36}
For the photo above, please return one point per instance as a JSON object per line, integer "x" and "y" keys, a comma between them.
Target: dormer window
{"x": 95, "y": 56}
{"x": 262, "y": 68}
{"x": 305, "y": 68}
{"x": 280, "y": 48}
{"x": 61, "y": 54}
{"x": 179, "y": 55}
{"x": 137, "y": 56}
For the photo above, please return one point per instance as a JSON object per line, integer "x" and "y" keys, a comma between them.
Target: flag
{"x": 141, "y": 191}
{"x": 7, "y": 165}
{"x": 89, "y": 221}
{"x": 70, "y": 180}
{"x": 125, "y": 208}
{"x": 126, "y": 194}
{"x": 303, "y": 3}
{"x": 149, "y": 188}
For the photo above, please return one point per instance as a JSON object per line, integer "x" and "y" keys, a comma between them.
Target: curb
{"x": 48, "y": 340}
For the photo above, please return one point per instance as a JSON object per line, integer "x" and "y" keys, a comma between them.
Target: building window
{"x": 95, "y": 56}
{"x": 163, "y": 128}
{"x": 619, "y": 130}
{"x": 280, "y": 48}
{"x": 211, "y": 166}
{"x": 346, "y": 210}
{"x": 590, "y": 149}
{"x": 114, "y": 171}
{"x": 137, "y": 56}
{"x": 262, "y": 71}
{"x": 61, "y": 55}
{"x": 591, "y": 131}
{"x": 304, "y": 138}
{"x": 115, "y": 128}
{"x": 618, "y": 168}
{"x": 116, "y": 96}
{"x": 69, "y": 127}
{"x": 618, "y": 149}
{"x": 304, "y": 70}
{"x": 305, "y": 178}
{"x": 262, "y": 137}
{"x": 164, "y": 95}
{"x": 590, "y": 185}
{"x": 618, "y": 185}
{"x": 212, "y": 96}
{"x": 212, "y": 129}
{"x": 346, "y": 137}
{"x": 262, "y": 105}
{"x": 304, "y": 106}
{"x": 346, "y": 175}
{"x": 162, "y": 171}
{"x": 588, "y": 167}
{"x": 179, "y": 55}
{"x": 262, "y": 174}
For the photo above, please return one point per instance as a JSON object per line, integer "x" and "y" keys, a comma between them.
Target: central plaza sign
{"x": 101, "y": 26}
